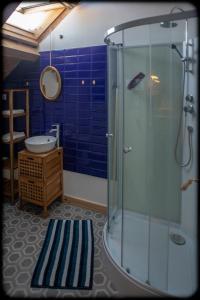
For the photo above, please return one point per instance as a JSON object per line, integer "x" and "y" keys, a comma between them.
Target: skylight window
{"x": 32, "y": 21}
{"x": 29, "y": 22}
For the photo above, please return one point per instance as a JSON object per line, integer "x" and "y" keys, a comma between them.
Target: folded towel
{"x": 16, "y": 135}
{"x": 15, "y": 111}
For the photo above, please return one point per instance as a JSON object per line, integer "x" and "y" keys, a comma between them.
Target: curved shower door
{"x": 151, "y": 178}
{"x": 135, "y": 194}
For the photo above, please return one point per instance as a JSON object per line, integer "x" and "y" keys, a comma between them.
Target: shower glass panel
{"x": 113, "y": 135}
{"x": 164, "y": 175}
{"x": 135, "y": 194}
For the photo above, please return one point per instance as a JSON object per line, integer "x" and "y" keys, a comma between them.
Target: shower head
{"x": 168, "y": 24}
{"x": 173, "y": 46}
{"x": 136, "y": 80}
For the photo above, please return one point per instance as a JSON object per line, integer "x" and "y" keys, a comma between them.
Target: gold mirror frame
{"x": 42, "y": 86}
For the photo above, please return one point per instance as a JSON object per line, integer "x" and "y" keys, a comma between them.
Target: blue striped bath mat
{"x": 67, "y": 256}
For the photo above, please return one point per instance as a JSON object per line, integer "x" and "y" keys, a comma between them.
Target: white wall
{"x": 88, "y": 22}
{"x": 85, "y": 26}
{"x": 85, "y": 187}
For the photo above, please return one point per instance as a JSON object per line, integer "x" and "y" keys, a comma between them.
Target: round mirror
{"x": 50, "y": 83}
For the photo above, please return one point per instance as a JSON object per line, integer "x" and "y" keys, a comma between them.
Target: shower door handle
{"x": 127, "y": 149}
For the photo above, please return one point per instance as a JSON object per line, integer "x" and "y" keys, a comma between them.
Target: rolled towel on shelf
{"x": 15, "y": 112}
{"x": 16, "y": 135}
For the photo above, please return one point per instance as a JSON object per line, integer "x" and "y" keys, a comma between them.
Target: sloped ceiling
{"x": 18, "y": 44}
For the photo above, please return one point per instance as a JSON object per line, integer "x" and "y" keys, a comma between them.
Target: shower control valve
{"x": 189, "y": 98}
{"x": 189, "y": 108}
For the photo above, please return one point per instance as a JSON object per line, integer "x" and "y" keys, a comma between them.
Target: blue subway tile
{"x": 100, "y": 82}
{"x": 69, "y": 159}
{"x": 98, "y": 165}
{"x": 95, "y": 74}
{"x": 98, "y": 148}
{"x": 44, "y": 61}
{"x": 98, "y": 66}
{"x": 100, "y": 107}
{"x": 71, "y": 67}
{"x": 58, "y": 60}
{"x": 71, "y": 74}
{"x": 98, "y": 139}
{"x": 84, "y": 114}
{"x": 70, "y": 152}
{"x": 44, "y": 54}
{"x": 69, "y": 166}
{"x": 98, "y": 98}
{"x": 84, "y": 129}
{"x": 83, "y": 161}
{"x": 84, "y": 90}
{"x": 57, "y": 53}
{"x": 98, "y": 90}
{"x": 98, "y": 173}
{"x": 84, "y": 82}
{"x": 83, "y": 154}
{"x": 70, "y": 52}
{"x": 84, "y": 66}
{"x": 83, "y": 122}
{"x": 70, "y": 144}
{"x": 71, "y": 59}
{"x": 84, "y": 137}
{"x": 69, "y": 97}
{"x": 84, "y": 74}
{"x": 84, "y": 105}
{"x": 84, "y": 58}
{"x": 70, "y": 89}
{"x": 99, "y": 49}
{"x": 84, "y": 50}
{"x": 99, "y": 57}
{"x": 100, "y": 131}
{"x": 71, "y": 82}
{"x": 84, "y": 98}
{"x": 97, "y": 156}
{"x": 84, "y": 146}
{"x": 60, "y": 68}
{"x": 82, "y": 169}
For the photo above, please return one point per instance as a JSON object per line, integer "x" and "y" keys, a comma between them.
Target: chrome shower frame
{"x": 148, "y": 21}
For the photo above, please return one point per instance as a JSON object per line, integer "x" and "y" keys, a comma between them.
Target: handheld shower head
{"x": 173, "y": 46}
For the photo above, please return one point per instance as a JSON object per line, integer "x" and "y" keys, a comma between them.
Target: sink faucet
{"x": 56, "y": 128}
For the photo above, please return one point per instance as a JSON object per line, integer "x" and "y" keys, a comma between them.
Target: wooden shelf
{"x": 6, "y": 164}
{"x": 15, "y": 140}
{"x": 14, "y": 90}
{"x": 10, "y": 186}
{"x": 14, "y": 115}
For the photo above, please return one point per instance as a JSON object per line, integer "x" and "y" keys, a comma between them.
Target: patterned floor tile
{"x": 23, "y": 235}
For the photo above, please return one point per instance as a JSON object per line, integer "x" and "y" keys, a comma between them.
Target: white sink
{"x": 40, "y": 143}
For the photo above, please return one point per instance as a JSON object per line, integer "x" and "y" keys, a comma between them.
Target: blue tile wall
{"x": 81, "y": 108}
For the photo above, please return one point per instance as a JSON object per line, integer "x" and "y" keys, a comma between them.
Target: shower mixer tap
{"x": 56, "y": 129}
{"x": 189, "y": 98}
{"x": 189, "y": 108}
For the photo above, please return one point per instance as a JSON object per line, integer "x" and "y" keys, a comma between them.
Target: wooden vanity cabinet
{"x": 40, "y": 177}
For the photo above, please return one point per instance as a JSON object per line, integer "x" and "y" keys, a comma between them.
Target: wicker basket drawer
{"x": 31, "y": 190}
{"x": 30, "y": 166}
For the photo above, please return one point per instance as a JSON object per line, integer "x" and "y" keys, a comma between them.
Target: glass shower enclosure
{"x": 149, "y": 231}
